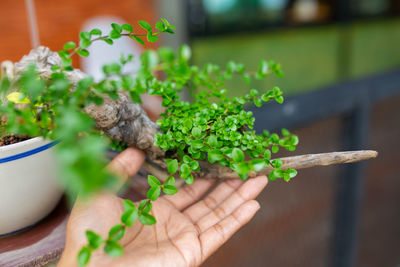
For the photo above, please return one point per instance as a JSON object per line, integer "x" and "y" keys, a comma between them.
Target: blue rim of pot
{"x": 29, "y": 152}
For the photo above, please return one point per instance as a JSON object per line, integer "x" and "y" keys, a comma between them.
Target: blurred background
{"x": 341, "y": 60}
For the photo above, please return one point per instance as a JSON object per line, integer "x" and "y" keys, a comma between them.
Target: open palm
{"x": 189, "y": 227}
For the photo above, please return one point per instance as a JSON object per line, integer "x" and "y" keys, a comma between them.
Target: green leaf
{"x": 197, "y": 144}
{"x": 154, "y": 193}
{"x": 274, "y": 149}
{"x": 214, "y": 156}
{"x": 147, "y": 219}
{"x": 95, "y": 31}
{"x": 83, "y": 52}
{"x": 212, "y": 141}
{"x": 84, "y": 256}
{"x": 108, "y": 41}
{"x": 145, "y": 206}
{"x": 170, "y": 189}
{"x": 83, "y": 43}
{"x": 95, "y": 241}
{"x": 115, "y": 35}
{"x": 128, "y": 204}
{"x": 184, "y": 53}
{"x": 127, "y": 27}
{"x": 160, "y": 26}
{"x": 84, "y": 35}
{"x": 277, "y": 163}
{"x": 258, "y": 164}
{"x": 113, "y": 249}
{"x": 170, "y": 181}
{"x": 116, "y": 232}
{"x": 267, "y": 154}
{"x": 151, "y": 38}
{"x": 137, "y": 39}
{"x": 189, "y": 179}
{"x": 258, "y": 102}
{"x": 145, "y": 25}
{"x": 289, "y": 174}
{"x": 116, "y": 27}
{"x": 172, "y": 165}
{"x": 237, "y": 155}
{"x": 153, "y": 181}
{"x": 129, "y": 216}
{"x": 69, "y": 46}
{"x": 185, "y": 170}
{"x": 197, "y": 132}
{"x": 279, "y": 99}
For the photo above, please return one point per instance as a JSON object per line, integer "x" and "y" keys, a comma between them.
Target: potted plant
{"x": 209, "y": 137}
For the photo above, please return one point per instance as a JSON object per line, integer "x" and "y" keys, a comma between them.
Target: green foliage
{"x": 212, "y": 128}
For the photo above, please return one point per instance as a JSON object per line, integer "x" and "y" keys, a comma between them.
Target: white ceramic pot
{"x": 28, "y": 185}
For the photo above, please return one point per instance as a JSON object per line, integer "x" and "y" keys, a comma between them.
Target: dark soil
{"x": 12, "y": 139}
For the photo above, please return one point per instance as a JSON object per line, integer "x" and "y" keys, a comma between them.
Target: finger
{"x": 189, "y": 194}
{"x": 126, "y": 164}
{"x": 249, "y": 190}
{"x": 217, "y": 235}
{"x": 218, "y": 195}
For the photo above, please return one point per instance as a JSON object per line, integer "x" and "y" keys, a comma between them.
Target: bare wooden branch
{"x": 295, "y": 162}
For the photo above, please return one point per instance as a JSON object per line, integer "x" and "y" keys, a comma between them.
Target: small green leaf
{"x": 83, "y": 43}
{"x": 145, "y": 25}
{"x": 170, "y": 189}
{"x": 127, "y": 27}
{"x": 279, "y": 99}
{"x": 185, "y": 170}
{"x": 84, "y": 35}
{"x": 151, "y": 38}
{"x": 214, "y": 156}
{"x": 237, "y": 155}
{"x": 116, "y": 27}
{"x": 212, "y": 141}
{"x": 83, "y": 53}
{"x": 170, "y": 181}
{"x": 84, "y": 256}
{"x": 197, "y": 132}
{"x": 189, "y": 179}
{"x": 113, "y": 249}
{"x": 116, "y": 232}
{"x": 160, "y": 26}
{"x": 153, "y": 181}
{"x": 95, "y": 241}
{"x": 154, "y": 192}
{"x": 185, "y": 53}
{"x": 147, "y": 219}
{"x": 172, "y": 166}
{"x": 277, "y": 163}
{"x": 129, "y": 217}
{"x": 145, "y": 206}
{"x": 128, "y": 204}
{"x": 108, "y": 41}
{"x": 137, "y": 39}
{"x": 267, "y": 154}
{"x": 95, "y": 31}
{"x": 258, "y": 102}
{"x": 115, "y": 35}
{"x": 274, "y": 149}
{"x": 69, "y": 46}
{"x": 258, "y": 164}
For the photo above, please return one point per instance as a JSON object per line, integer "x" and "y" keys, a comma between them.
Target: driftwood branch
{"x": 295, "y": 162}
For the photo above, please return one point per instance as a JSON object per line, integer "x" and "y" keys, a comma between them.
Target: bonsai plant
{"x": 212, "y": 136}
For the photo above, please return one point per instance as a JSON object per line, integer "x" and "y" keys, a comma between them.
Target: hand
{"x": 188, "y": 229}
